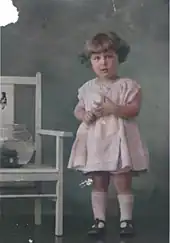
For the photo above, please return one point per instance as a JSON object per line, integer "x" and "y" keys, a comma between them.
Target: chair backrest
{"x": 7, "y": 115}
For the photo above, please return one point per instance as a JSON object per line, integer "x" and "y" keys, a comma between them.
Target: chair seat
{"x": 18, "y": 185}
{"x": 29, "y": 173}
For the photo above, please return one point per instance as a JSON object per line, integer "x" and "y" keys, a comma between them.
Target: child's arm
{"x": 130, "y": 110}
{"x": 124, "y": 111}
{"x": 83, "y": 116}
{"x": 79, "y": 112}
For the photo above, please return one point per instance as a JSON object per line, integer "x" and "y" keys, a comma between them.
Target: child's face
{"x": 105, "y": 64}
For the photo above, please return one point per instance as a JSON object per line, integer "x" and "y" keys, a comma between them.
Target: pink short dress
{"x": 110, "y": 144}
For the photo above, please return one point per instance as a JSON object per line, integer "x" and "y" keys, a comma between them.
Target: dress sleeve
{"x": 81, "y": 96}
{"x": 129, "y": 90}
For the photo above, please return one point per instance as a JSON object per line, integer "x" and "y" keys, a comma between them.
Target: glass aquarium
{"x": 16, "y": 146}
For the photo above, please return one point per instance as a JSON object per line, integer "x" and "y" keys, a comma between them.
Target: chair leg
{"x": 0, "y": 208}
{"x": 37, "y": 211}
{"x": 59, "y": 210}
{"x": 58, "y": 239}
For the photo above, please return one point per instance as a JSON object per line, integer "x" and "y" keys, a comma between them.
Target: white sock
{"x": 99, "y": 201}
{"x": 126, "y": 206}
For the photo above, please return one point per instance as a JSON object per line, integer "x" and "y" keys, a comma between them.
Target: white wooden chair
{"x": 38, "y": 172}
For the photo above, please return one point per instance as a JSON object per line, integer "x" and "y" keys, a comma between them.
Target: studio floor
{"x": 20, "y": 229}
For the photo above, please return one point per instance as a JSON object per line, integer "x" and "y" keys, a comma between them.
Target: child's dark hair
{"x": 103, "y": 42}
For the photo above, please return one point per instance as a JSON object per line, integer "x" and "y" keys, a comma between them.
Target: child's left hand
{"x": 105, "y": 108}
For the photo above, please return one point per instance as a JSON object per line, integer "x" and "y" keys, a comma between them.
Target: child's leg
{"x": 123, "y": 184}
{"x": 99, "y": 194}
{"x": 99, "y": 201}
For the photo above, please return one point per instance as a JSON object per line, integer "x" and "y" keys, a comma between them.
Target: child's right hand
{"x": 89, "y": 118}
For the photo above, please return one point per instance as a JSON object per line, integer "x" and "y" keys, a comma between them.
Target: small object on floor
{"x": 126, "y": 228}
{"x": 87, "y": 182}
{"x": 98, "y": 228}
{"x": 30, "y": 241}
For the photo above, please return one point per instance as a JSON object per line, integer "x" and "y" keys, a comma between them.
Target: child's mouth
{"x": 104, "y": 70}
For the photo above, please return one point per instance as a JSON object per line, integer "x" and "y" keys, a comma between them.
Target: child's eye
{"x": 109, "y": 56}
{"x": 97, "y": 58}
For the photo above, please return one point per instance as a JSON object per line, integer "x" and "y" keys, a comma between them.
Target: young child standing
{"x": 108, "y": 146}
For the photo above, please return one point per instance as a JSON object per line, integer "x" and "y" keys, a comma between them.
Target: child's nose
{"x": 103, "y": 60}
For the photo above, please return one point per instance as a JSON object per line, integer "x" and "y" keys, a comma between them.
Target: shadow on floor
{"x": 22, "y": 230}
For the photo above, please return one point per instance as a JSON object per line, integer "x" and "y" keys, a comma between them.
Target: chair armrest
{"x": 59, "y": 136}
{"x": 54, "y": 133}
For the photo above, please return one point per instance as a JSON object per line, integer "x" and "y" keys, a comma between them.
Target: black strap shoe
{"x": 126, "y": 228}
{"x": 98, "y": 228}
